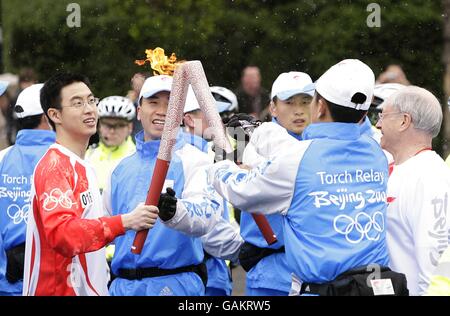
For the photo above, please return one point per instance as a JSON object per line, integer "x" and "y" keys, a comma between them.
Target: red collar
{"x": 422, "y": 150}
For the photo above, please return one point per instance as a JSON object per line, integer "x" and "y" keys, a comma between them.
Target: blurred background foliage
{"x": 226, "y": 35}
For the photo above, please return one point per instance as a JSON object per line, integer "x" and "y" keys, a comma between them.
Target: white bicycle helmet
{"x": 226, "y": 100}
{"x": 116, "y": 106}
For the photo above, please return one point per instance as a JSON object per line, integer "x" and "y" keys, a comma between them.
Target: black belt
{"x": 250, "y": 255}
{"x": 354, "y": 283}
{"x": 142, "y": 273}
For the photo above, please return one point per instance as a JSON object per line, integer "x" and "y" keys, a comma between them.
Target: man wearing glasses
{"x": 418, "y": 192}
{"x": 67, "y": 230}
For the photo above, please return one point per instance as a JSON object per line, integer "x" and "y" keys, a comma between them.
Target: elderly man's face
{"x": 389, "y": 123}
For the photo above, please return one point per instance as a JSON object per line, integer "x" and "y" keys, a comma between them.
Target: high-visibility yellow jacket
{"x": 103, "y": 159}
{"x": 440, "y": 282}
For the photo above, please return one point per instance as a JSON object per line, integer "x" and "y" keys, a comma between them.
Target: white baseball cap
{"x": 29, "y": 102}
{"x": 191, "y": 101}
{"x": 3, "y": 86}
{"x": 383, "y": 91}
{"x": 349, "y": 83}
{"x": 155, "y": 84}
{"x": 291, "y": 83}
{"x": 226, "y": 100}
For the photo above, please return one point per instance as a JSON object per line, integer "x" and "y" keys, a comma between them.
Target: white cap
{"x": 345, "y": 81}
{"x": 291, "y": 83}
{"x": 229, "y": 102}
{"x": 3, "y": 86}
{"x": 11, "y": 79}
{"x": 155, "y": 84}
{"x": 29, "y": 102}
{"x": 191, "y": 101}
{"x": 385, "y": 90}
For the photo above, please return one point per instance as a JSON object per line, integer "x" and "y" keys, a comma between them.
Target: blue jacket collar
{"x": 296, "y": 136}
{"x": 341, "y": 131}
{"x": 35, "y": 137}
{"x": 196, "y": 141}
{"x": 150, "y": 149}
{"x": 366, "y": 127}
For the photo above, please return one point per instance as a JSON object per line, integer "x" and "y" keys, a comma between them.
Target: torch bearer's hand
{"x": 219, "y": 154}
{"x": 240, "y": 127}
{"x": 167, "y": 205}
{"x": 142, "y": 217}
{"x": 245, "y": 122}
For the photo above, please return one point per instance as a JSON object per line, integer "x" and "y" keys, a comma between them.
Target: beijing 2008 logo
{"x": 18, "y": 214}
{"x": 360, "y": 227}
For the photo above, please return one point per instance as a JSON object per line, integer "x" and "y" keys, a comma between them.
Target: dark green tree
{"x": 225, "y": 35}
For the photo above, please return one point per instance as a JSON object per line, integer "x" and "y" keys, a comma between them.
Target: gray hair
{"x": 422, "y": 105}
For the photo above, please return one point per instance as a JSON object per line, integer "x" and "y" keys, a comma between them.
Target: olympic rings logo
{"x": 57, "y": 198}
{"x": 362, "y": 226}
{"x": 18, "y": 214}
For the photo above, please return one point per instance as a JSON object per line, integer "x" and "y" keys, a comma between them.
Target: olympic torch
{"x": 197, "y": 78}
{"x": 186, "y": 73}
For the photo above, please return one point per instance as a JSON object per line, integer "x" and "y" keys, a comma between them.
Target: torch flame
{"x": 159, "y": 62}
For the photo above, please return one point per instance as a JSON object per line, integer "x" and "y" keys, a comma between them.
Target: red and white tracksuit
{"x": 66, "y": 232}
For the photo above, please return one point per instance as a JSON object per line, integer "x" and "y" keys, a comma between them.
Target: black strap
{"x": 15, "y": 261}
{"x": 141, "y": 273}
{"x": 206, "y": 256}
{"x": 250, "y": 255}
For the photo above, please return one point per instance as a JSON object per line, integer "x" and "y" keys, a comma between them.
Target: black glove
{"x": 245, "y": 121}
{"x": 241, "y": 127}
{"x": 167, "y": 205}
